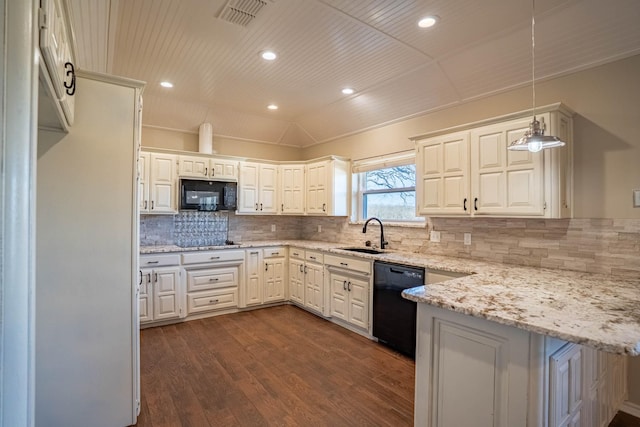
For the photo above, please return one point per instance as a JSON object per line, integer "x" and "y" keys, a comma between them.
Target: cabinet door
{"x": 195, "y": 167}
{"x": 163, "y": 183}
{"x": 358, "y": 302}
{"x": 165, "y": 293}
{"x": 143, "y": 182}
{"x": 248, "y": 187}
{"x": 274, "y": 280}
{"x": 253, "y": 294}
{"x": 566, "y": 391}
{"x": 292, "y": 189}
{"x": 442, "y": 170}
{"x": 505, "y": 182}
{"x": 224, "y": 169}
{"x": 314, "y": 289}
{"x": 317, "y": 197}
{"x": 296, "y": 280}
{"x": 145, "y": 298}
{"x": 55, "y": 46}
{"x": 268, "y": 181}
{"x": 339, "y": 295}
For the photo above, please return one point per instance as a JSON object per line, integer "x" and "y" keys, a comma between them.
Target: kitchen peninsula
{"x": 526, "y": 346}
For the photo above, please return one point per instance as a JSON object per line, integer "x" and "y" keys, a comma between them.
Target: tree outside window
{"x": 390, "y": 193}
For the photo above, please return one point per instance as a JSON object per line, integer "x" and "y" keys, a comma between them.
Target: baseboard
{"x": 630, "y": 408}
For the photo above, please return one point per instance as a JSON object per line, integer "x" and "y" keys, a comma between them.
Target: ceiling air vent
{"x": 241, "y": 12}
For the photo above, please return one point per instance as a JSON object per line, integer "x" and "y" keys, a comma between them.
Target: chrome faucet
{"x": 383, "y": 243}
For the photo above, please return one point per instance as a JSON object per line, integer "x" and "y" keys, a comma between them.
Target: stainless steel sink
{"x": 363, "y": 250}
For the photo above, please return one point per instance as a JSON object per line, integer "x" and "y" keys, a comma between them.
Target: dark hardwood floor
{"x": 625, "y": 420}
{"x": 275, "y": 366}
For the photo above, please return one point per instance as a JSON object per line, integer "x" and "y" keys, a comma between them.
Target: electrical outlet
{"x": 435, "y": 236}
{"x": 319, "y": 229}
{"x": 273, "y": 228}
{"x": 467, "y": 238}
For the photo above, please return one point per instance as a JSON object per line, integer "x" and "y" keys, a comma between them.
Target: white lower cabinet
{"x": 159, "y": 297}
{"x": 474, "y": 372}
{"x": 265, "y": 276}
{"x": 296, "y": 275}
{"x": 349, "y": 281}
{"x": 213, "y": 279}
{"x": 274, "y": 274}
{"x": 314, "y": 286}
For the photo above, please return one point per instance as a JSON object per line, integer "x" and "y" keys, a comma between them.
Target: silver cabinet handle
{"x": 213, "y": 301}
{"x": 213, "y": 279}
{"x": 215, "y": 257}
{"x": 344, "y": 285}
{"x": 152, "y": 262}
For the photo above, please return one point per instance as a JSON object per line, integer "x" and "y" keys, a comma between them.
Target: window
{"x": 386, "y": 188}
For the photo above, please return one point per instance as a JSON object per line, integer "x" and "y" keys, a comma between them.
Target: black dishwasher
{"x": 394, "y": 318}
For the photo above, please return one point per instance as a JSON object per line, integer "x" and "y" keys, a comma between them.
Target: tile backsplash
{"x": 609, "y": 246}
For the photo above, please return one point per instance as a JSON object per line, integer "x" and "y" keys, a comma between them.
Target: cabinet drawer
{"x": 314, "y": 256}
{"x": 277, "y": 252}
{"x": 296, "y": 253}
{"x": 148, "y": 261}
{"x": 200, "y": 280}
{"x": 359, "y": 265}
{"x": 212, "y": 256}
{"x": 212, "y": 300}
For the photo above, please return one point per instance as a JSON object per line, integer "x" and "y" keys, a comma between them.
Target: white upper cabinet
{"x": 57, "y": 74}
{"x": 207, "y": 168}
{"x": 328, "y": 187}
{"x": 471, "y": 172}
{"x": 157, "y": 184}
{"x": 443, "y": 174}
{"x": 292, "y": 186}
{"x": 257, "y": 188}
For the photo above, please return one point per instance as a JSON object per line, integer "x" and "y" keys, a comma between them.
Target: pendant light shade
{"x": 534, "y": 138}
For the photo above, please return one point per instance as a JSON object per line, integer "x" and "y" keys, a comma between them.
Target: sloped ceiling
{"x": 397, "y": 69}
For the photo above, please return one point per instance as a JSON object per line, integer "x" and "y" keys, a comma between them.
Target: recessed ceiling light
{"x": 272, "y": 107}
{"x": 347, "y": 91}
{"x": 428, "y": 21}
{"x": 166, "y": 84}
{"x": 268, "y": 55}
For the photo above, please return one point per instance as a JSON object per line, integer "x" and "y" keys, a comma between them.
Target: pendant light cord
{"x": 533, "y": 55}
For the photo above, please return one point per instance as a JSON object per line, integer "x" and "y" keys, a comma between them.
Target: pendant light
{"x": 534, "y": 138}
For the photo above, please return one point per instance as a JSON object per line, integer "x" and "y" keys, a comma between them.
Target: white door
{"x": 442, "y": 167}
{"x": 143, "y": 183}
{"x": 274, "y": 280}
{"x": 358, "y": 302}
{"x": 253, "y": 280}
{"x": 314, "y": 289}
{"x": 192, "y": 166}
{"x": 296, "y": 280}
{"x": 566, "y": 390}
{"x": 505, "y": 182}
{"x": 163, "y": 183}
{"x": 317, "y": 187}
{"x": 165, "y": 293}
{"x": 248, "y": 187}
{"x": 145, "y": 298}
{"x": 292, "y": 189}
{"x": 339, "y": 295}
{"x": 224, "y": 169}
{"x": 268, "y": 181}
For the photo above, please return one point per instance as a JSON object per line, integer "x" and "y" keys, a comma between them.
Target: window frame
{"x": 359, "y": 170}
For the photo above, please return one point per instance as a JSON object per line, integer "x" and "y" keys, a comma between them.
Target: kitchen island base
{"x": 472, "y": 371}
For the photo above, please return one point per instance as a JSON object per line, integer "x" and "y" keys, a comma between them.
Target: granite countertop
{"x": 597, "y": 310}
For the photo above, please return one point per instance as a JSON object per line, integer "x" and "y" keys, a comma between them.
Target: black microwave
{"x": 207, "y": 195}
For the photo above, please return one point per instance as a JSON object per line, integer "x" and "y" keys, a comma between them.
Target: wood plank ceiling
{"x": 397, "y": 69}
